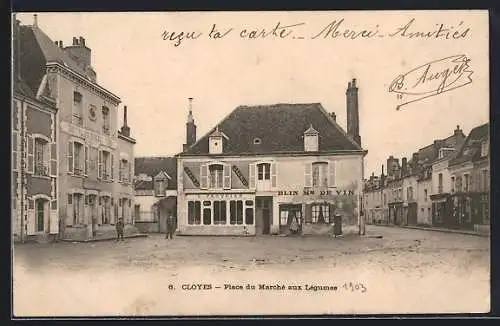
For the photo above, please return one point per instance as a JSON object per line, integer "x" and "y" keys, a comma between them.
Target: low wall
{"x": 317, "y": 229}
{"x": 230, "y": 230}
{"x": 148, "y": 226}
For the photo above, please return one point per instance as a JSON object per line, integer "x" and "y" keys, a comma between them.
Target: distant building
{"x": 264, "y": 167}
{"x": 34, "y": 157}
{"x": 95, "y": 158}
{"x": 470, "y": 181}
{"x": 155, "y": 192}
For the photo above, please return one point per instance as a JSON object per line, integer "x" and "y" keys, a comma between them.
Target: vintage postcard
{"x": 250, "y": 163}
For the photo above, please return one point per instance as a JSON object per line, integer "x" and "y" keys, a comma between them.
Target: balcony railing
{"x": 41, "y": 169}
{"x": 78, "y": 171}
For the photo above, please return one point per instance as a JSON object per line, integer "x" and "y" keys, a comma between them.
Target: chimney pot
{"x": 35, "y": 20}
{"x": 353, "y": 84}
{"x": 61, "y": 44}
{"x": 75, "y": 41}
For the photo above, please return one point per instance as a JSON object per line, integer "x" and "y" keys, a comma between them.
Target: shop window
{"x": 207, "y": 216}
{"x": 283, "y": 217}
{"x": 264, "y": 171}
{"x": 320, "y": 214}
{"x": 219, "y": 212}
{"x": 194, "y": 212}
{"x": 236, "y": 212}
{"x": 249, "y": 216}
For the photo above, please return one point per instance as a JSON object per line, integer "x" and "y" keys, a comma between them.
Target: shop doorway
{"x": 263, "y": 215}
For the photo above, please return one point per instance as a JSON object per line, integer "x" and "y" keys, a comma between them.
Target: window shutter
{"x": 129, "y": 172}
{"x": 99, "y": 165}
{"x": 15, "y": 140}
{"x": 308, "y": 175}
{"x": 112, "y": 163}
{"x": 204, "y": 176}
{"x": 227, "y": 176}
{"x": 331, "y": 179}
{"x": 53, "y": 159}
{"x": 120, "y": 170}
{"x": 251, "y": 175}
{"x": 70, "y": 157}
{"x": 54, "y": 222}
{"x": 86, "y": 160}
{"x": 30, "y": 220}
{"x": 30, "y": 143}
{"x": 274, "y": 174}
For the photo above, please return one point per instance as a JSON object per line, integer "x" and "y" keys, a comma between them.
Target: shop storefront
{"x": 470, "y": 210}
{"x": 218, "y": 214}
{"x": 441, "y": 211}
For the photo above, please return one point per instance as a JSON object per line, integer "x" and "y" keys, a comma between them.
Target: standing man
{"x": 170, "y": 226}
{"x": 119, "y": 229}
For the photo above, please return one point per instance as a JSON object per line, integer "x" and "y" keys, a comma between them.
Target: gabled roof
{"x": 152, "y": 166}
{"x": 280, "y": 127}
{"x": 471, "y": 148}
{"x": 37, "y": 49}
{"x": 430, "y": 153}
{"x": 311, "y": 131}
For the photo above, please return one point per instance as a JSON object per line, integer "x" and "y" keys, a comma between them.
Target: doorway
{"x": 263, "y": 215}
{"x": 41, "y": 207}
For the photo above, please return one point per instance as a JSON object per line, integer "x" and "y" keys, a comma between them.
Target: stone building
{"x": 469, "y": 172}
{"x": 272, "y": 169}
{"x": 95, "y": 158}
{"x": 155, "y": 192}
{"x": 34, "y": 167}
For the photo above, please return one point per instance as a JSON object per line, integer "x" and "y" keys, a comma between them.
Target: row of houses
{"x": 267, "y": 169}
{"x": 72, "y": 166}
{"x": 445, "y": 184}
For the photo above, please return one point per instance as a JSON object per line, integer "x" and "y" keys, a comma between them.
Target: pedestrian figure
{"x": 119, "y": 229}
{"x": 170, "y": 226}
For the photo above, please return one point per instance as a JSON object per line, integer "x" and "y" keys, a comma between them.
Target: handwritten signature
{"x": 432, "y": 78}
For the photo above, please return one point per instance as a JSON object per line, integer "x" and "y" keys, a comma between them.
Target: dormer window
{"x": 216, "y": 141}
{"x": 160, "y": 184}
{"x": 484, "y": 149}
{"x": 311, "y": 140}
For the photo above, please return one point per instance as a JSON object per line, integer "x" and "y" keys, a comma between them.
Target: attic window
{"x": 257, "y": 141}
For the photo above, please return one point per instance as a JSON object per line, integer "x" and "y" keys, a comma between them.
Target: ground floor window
{"x": 194, "y": 212}
{"x": 105, "y": 203}
{"x": 236, "y": 211}
{"x": 289, "y": 212}
{"x": 320, "y": 214}
{"x": 220, "y": 212}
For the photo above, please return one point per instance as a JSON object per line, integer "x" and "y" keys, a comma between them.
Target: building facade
{"x": 470, "y": 181}
{"x": 34, "y": 168}
{"x": 272, "y": 169}
{"x": 95, "y": 158}
{"x": 155, "y": 192}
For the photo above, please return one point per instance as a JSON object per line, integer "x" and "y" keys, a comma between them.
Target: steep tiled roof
{"x": 471, "y": 148}
{"x": 151, "y": 166}
{"x": 430, "y": 153}
{"x": 280, "y": 127}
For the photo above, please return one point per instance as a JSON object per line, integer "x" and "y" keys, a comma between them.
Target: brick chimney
{"x": 190, "y": 127}
{"x": 125, "y": 130}
{"x": 353, "y": 111}
{"x": 81, "y": 54}
{"x": 404, "y": 166}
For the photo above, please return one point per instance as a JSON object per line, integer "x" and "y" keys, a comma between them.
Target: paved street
{"x": 406, "y": 270}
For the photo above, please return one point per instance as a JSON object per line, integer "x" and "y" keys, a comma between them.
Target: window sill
{"x": 38, "y": 176}
{"x": 77, "y": 175}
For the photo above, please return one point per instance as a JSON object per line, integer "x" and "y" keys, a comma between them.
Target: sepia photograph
{"x": 268, "y": 163}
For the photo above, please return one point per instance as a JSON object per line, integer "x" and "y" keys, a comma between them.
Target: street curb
{"x": 436, "y": 230}
{"x": 141, "y": 235}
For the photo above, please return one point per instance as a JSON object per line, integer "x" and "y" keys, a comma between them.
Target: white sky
{"x": 154, "y": 78}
